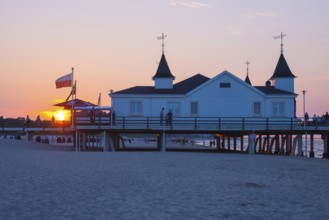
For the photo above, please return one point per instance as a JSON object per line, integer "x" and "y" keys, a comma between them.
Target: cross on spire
{"x": 247, "y": 63}
{"x": 162, "y": 37}
{"x": 281, "y": 36}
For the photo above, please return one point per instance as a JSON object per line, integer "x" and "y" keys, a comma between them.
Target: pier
{"x": 282, "y": 136}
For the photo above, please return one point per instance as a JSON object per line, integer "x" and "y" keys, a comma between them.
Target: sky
{"x": 113, "y": 45}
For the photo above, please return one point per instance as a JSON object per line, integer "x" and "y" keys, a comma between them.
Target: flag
{"x": 64, "y": 81}
{"x": 73, "y": 91}
{"x": 99, "y": 99}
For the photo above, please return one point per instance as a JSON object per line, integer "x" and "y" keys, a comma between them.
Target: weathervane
{"x": 162, "y": 37}
{"x": 280, "y": 37}
{"x": 247, "y": 63}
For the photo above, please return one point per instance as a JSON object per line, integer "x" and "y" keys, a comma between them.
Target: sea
{"x": 172, "y": 141}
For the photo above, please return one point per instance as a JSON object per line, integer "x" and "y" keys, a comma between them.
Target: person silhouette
{"x": 38, "y": 121}
{"x": 27, "y": 121}
{"x": 161, "y": 116}
{"x": 170, "y": 118}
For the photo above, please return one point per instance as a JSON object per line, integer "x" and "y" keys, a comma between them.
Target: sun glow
{"x": 60, "y": 116}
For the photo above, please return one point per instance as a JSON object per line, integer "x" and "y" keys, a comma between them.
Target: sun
{"x": 60, "y": 115}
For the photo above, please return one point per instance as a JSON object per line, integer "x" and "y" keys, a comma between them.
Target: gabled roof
{"x": 225, "y": 73}
{"x": 247, "y": 80}
{"x": 163, "y": 69}
{"x": 282, "y": 69}
{"x": 180, "y": 88}
{"x": 271, "y": 90}
{"x": 195, "y": 82}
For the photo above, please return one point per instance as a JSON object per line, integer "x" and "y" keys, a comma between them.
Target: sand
{"x": 41, "y": 181}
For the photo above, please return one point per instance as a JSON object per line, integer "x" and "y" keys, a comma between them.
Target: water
{"x": 318, "y": 145}
{"x": 191, "y": 141}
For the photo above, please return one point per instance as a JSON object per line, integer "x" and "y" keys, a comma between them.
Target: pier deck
{"x": 271, "y": 132}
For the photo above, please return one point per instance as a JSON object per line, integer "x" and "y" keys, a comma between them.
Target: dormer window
{"x": 224, "y": 85}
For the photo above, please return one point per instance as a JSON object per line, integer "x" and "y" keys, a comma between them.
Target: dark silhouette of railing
{"x": 177, "y": 123}
{"x": 193, "y": 123}
{"x": 6, "y": 124}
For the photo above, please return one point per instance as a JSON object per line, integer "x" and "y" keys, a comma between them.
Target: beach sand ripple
{"x": 46, "y": 182}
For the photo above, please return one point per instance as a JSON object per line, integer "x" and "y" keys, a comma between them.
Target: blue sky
{"x": 113, "y": 45}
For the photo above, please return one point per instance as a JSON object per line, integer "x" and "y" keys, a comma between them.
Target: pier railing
{"x": 177, "y": 123}
{"x": 191, "y": 123}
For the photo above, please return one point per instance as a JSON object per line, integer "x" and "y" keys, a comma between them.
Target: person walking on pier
{"x": 326, "y": 118}
{"x": 27, "y": 121}
{"x": 161, "y": 116}
{"x": 306, "y": 118}
{"x": 52, "y": 121}
{"x": 170, "y": 118}
{"x": 2, "y": 121}
{"x": 38, "y": 120}
{"x": 113, "y": 118}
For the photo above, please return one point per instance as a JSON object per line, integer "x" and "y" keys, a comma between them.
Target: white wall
{"x": 286, "y": 84}
{"x": 213, "y": 101}
{"x": 289, "y": 106}
{"x": 236, "y": 101}
{"x": 163, "y": 83}
{"x": 151, "y": 105}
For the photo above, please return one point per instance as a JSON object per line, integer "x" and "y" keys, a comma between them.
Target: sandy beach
{"x": 41, "y": 181}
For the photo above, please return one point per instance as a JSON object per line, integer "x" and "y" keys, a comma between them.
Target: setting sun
{"x": 61, "y": 115}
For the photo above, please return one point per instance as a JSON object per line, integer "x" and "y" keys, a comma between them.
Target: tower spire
{"x": 247, "y": 80}
{"x": 162, "y": 37}
{"x": 247, "y": 63}
{"x": 281, "y": 36}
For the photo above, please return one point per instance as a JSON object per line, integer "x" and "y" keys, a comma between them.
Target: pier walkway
{"x": 278, "y": 135}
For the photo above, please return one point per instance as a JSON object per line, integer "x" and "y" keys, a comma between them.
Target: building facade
{"x": 224, "y": 95}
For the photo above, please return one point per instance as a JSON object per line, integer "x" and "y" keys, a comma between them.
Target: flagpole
{"x": 72, "y": 111}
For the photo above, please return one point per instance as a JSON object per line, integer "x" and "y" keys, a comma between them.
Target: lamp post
{"x": 111, "y": 91}
{"x": 111, "y": 111}
{"x": 304, "y": 92}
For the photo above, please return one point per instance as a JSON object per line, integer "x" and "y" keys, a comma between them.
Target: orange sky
{"x": 113, "y": 45}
